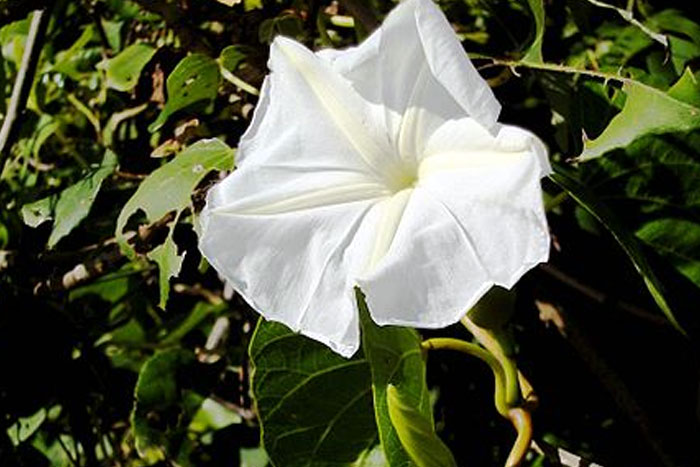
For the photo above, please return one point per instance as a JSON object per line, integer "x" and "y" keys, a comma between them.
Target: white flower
{"x": 381, "y": 166}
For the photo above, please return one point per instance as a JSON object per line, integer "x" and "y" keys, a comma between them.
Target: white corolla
{"x": 381, "y": 167}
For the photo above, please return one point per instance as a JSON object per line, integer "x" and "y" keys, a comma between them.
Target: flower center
{"x": 404, "y": 176}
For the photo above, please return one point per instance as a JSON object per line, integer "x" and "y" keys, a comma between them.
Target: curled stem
{"x": 510, "y": 370}
{"x": 441, "y": 343}
{"x": 522, "y": 422}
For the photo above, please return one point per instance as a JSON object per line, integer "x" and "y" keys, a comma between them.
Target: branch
{"x": 25, "y": 77}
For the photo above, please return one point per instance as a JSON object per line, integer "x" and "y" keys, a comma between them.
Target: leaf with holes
{"x": 193, "y": 82}
{"x": 72, "y": 205}
{"x": 169, "y": 189}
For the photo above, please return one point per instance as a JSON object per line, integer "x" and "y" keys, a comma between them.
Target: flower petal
{"x": 492, "y": 187}
{"x": 309, "y": 116}
{"x": 430, "y": 274}
{"x": 415, "y": 66}
{"x": 291, "y": 265}
{"x": 475, "y": 219}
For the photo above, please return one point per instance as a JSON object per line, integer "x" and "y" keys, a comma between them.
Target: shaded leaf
{"x": 159, "y": 407}
{"x": 395, "y": 357}
{"x": 623, "y": 236}
{"x": 315, "y": 406}
{"x": 123, "y": 70}
{"x": 416, "y": 432}
{"x": 646, "y": 111}
{"x": 679, "y": 241}
{"x": 195, "y": 80}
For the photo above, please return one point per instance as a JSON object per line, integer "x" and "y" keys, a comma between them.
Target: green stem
{"x": 442, "y": 343}
{"x": 510, "y": 370}
{"x": 550, "y": 67}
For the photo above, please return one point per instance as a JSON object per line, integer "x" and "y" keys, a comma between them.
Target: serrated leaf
{"x": 315, "y": 406}
{"x": 646, "y": 111}
{"x": 194, "y": 81}
{"x": 686, "y": 89}
{"x": 161, "y": 409}
{"x": 622, "y": 235}
{"x": 678, "y": 240}
{"x": 168, "y": 189}
{"x": 534, "y": 52}
{"x": 72, "y": 205}
{"x": 395, "y": 357}
{"x": 123, "y": 70}
{"x": 416, "y": 432}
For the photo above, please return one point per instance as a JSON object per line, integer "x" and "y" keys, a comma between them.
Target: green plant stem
{"x": 442, "y": 343}
{"x": 513, "y": 64}
{"x": 510, "y": 370}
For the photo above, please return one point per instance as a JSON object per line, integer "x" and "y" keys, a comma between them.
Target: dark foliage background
{"x": 120, "y": 346}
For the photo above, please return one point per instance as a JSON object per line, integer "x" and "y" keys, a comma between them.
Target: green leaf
{"x": 646, "y": 111}
{"x": 534, "y": 52}
{"x": 161, "y": 406}
{"x": 686, "y": 89}
{"x": 36, "y": 213}
{"x": 25, "y": 427}
{"x": 73, "y": 61}
{"x": 622, "y": 235}
{"x": 213, "y": 416}
{"x": 72, "y": 205}
{"x": 315, "y": 406}
{"x": 199, "y": 313}
{"x": 416, "y": 432}
{"x": 679, "y": 241}
{"x": 396, "y": 358}
{"x": 194, "y": 81}
{"x": 123, "y": 70}
{"x": 169, "y": 265}
{"x": 232, "y": 56}
{"x": 167, "y": 189}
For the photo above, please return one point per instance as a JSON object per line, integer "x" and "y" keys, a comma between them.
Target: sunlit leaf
{"x": 395, "y": 357}
{"x": 72, "y": 205}
{"x": 646, "y": 111}
{"x": 416, "y": 432}
{"x": 194, "y": 81}
{"x": 169, "y": 189}
{"x": 315, "y": 406}
{"x": 534, "y": 52}
{"x": 123, "y": 71}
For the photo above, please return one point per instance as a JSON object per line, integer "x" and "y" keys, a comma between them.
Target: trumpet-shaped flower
{"x": 381, "y": 166}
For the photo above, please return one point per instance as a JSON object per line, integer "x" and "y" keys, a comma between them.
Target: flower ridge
{"x": 381, "y": 166}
